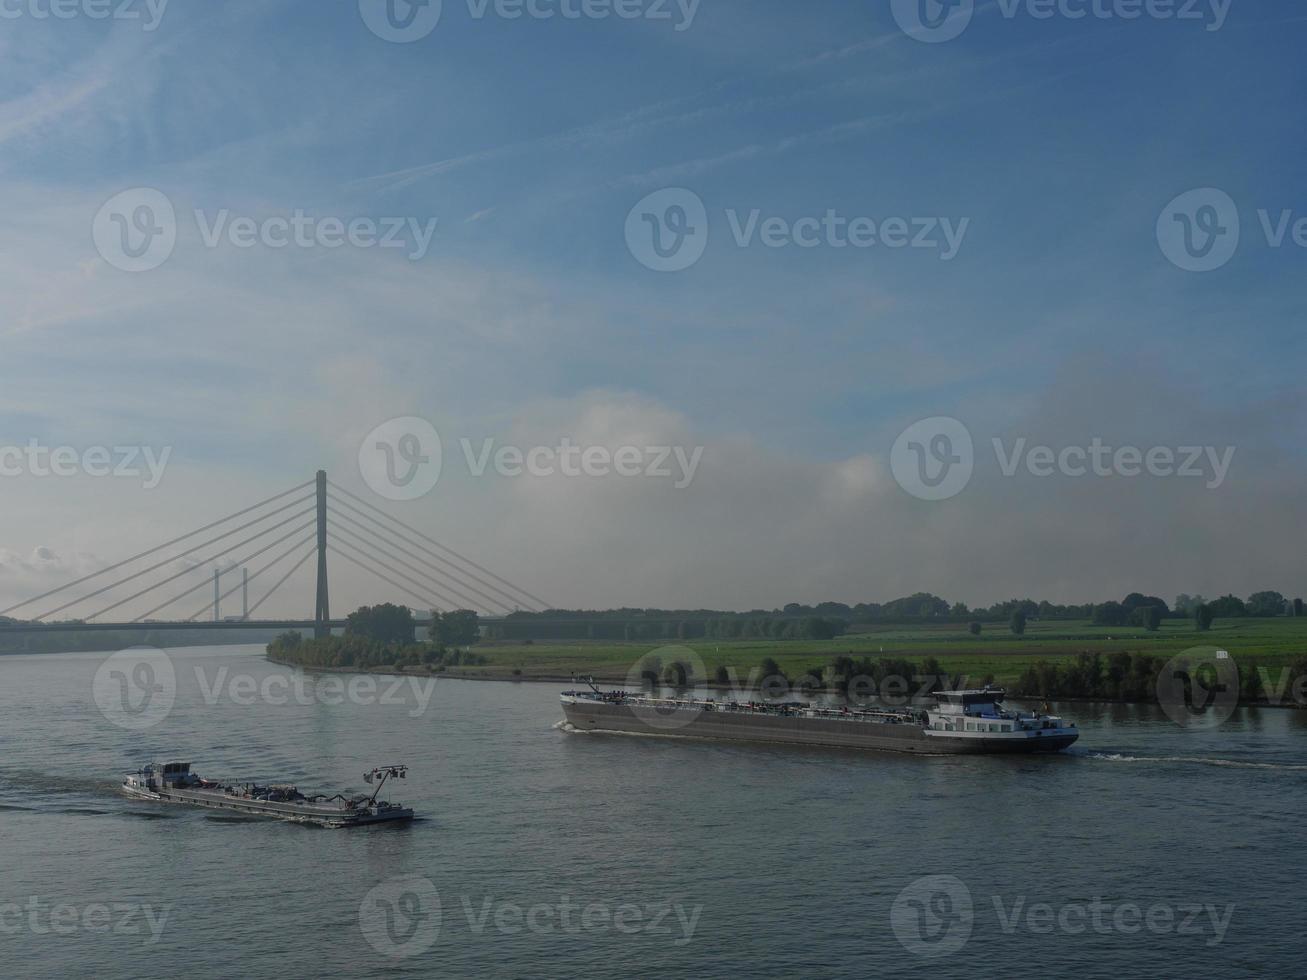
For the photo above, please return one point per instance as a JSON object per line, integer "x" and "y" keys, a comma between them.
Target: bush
{"x": 975, "y": 629}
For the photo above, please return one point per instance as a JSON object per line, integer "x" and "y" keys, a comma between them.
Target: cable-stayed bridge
{"x": 317, "y": 519}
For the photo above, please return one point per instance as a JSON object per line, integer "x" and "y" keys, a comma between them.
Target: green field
{"x": 1268, "y": 643}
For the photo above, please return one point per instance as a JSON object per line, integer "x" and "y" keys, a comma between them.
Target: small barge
{"x": 961, "y": 722}
{"x": 174, "y": 782}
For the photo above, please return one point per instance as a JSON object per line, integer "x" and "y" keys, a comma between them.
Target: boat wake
{"x": 1191, "y": 760}
{"x": 42, "y": 783}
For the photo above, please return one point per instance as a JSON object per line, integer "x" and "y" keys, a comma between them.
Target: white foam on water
{"x": 1192, "y": 760}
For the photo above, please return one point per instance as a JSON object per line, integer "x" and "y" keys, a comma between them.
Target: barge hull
{"x": 750, "y": 727}
{"x": 322, "y": 817}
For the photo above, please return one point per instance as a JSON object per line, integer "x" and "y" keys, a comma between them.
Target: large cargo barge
{"x": 174, "y": 782}
{"x": 961, "y": 722}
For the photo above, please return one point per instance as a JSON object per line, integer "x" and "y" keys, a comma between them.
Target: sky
{"x": 824, "y": 255}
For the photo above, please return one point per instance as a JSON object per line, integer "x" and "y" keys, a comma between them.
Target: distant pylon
{"x": 322, "y": 613}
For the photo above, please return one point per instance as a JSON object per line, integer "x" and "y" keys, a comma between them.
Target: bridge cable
{"x": 253, "y": 575}
{"x": 513, "y": 602}
{"x": 339, "y": 520}
{"x": 535, "y": 601}
{"x": 282, "y": 581}
{"x": 207, "y": 561}
{"x": 154, "y": 550}
{"x": 424, "y": 579}
{"x": 382, "y": 561}
{"x": 169, "y": 561}
{"x": 371, "y": 571}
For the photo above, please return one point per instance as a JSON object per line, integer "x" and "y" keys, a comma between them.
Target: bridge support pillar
{"x": 322, "y": 613}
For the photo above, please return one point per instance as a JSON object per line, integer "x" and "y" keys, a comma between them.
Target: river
{"x": 1147, "y": 850}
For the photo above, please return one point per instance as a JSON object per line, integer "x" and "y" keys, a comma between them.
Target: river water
{"x": 1149, "y": 850}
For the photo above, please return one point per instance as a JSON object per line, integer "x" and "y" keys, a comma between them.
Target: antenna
{"x": 380, "y": 775}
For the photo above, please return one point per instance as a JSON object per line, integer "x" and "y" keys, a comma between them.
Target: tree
{"x": 386, "y": 623}
{"x": 1137, "y": 600}
{"x": 817, "y": 628}
{"x": 1018, "y": 623}
{"x": 460, "y": 628}
{"x": 1110, "y": 614}
{"x": 1152, "y": 616}
{"x": 770, "y": 668}
{"x": 975, "y": 629}
{"x": 1266, "y": 604}
{"x": 1202, "y": 617}
{"x": 1297, "y": 607}
{"x": 1228, "y": 607}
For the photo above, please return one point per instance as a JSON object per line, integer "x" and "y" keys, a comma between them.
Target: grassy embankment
{"x": 1254, "y": 643}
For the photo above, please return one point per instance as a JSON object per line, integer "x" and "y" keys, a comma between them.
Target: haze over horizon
{"x": 1043, "y": 304}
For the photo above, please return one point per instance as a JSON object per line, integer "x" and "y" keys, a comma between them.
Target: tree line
{"x": 1129, "y": 677}
{"x": 385, "y": 636}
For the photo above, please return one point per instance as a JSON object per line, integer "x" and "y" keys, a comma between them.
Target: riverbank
{"x": 891, "y": 678}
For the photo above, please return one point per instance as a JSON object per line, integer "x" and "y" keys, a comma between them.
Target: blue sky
{"x": 1059, "y": 141}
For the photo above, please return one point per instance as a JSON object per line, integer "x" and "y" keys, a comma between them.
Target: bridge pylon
{"x": 322, "y": 612}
